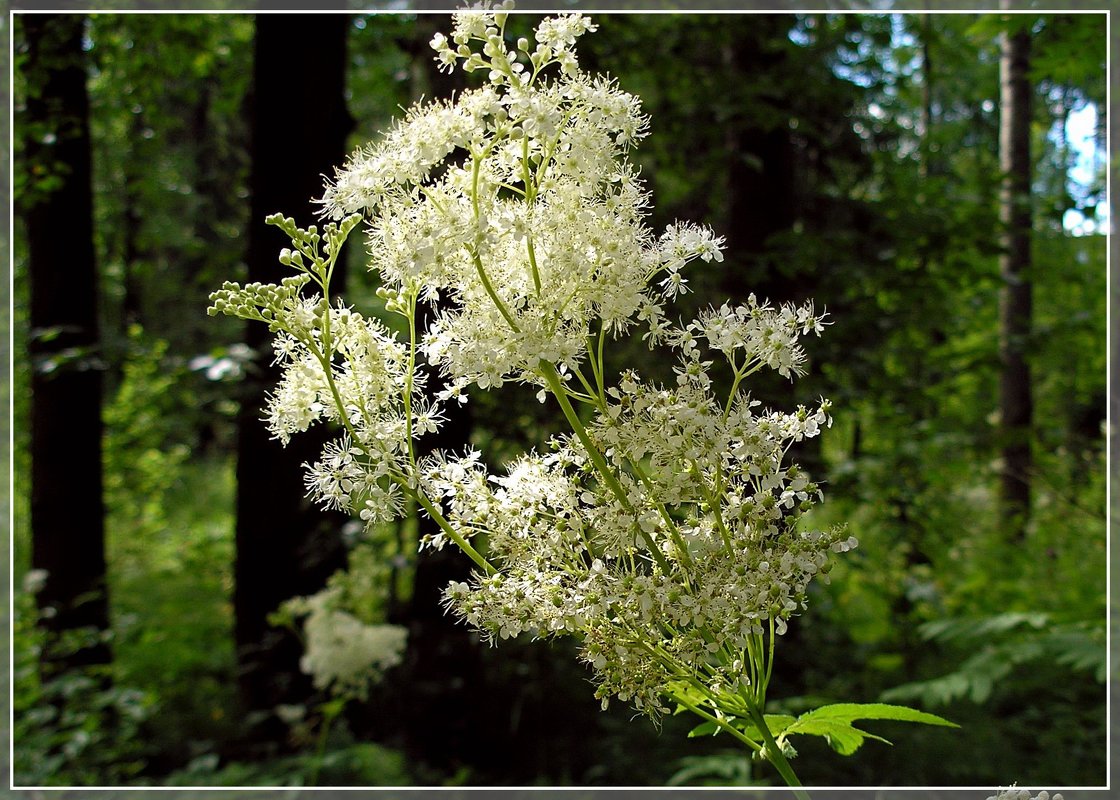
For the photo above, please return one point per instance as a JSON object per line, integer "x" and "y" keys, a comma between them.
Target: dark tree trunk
{"x": 67, "y": 513}
{"x": 1015, "y": 293}
{"x": 285, "y": 545}
{"x": 762, "y": 183}
{"x": 760, "y": 172}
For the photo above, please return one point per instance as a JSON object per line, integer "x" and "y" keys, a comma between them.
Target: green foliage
{"x": 144, "y": 447}
{"x": 170, "y": 545}
{"x": 725, "y": 768}
{"x": 1000, "y": 644}
{"x": 343, "y": 764}
{"x": 173, "y": 617}
{"x": 833, "y": 722}
{"x": 77, "y": 728}
{"x": 170, "y": 144}
{"x": 385, "y": 65}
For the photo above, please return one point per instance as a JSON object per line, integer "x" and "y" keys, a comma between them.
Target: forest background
{"x": 850, "y": 158}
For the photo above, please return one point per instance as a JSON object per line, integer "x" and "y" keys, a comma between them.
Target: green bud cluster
{"x": 396, "y": 300}
{"x": 267, "y": 302}
{"x": 261, "y": 302}
{"x": 306, "y": 256}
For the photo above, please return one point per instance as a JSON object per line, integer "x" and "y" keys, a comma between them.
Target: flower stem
{"x": 409, "y": 378}
{"x": 489, "y": 287}
{"x": 556, "y": 386}
{"x": 774, "y": 753}
{"x": 486, "y": 567}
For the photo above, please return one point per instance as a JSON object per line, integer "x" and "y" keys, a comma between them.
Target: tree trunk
{"x": 67, "y": 512}
{"x": 760, "y": 170}
{"x": 285, "y": 546}
{"x": 1015, "y": 293}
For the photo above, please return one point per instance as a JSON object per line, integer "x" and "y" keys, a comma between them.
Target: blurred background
{"x": 936, "y": 181}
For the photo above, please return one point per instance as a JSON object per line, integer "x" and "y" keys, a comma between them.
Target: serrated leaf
{"x": 834, "y": 722}
{"x": 848, "y": 712}
{"x": 981, "y": 629}
{"x": 843, "y": 737}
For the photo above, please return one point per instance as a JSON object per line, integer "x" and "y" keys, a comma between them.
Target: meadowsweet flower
{"x": 341, "y": 652}
{"x": 711, "y": 493}
{"x": 539, "y": 236}
{"x": 664, "y": 532}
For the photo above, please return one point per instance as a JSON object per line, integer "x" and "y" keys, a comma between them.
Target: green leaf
{"x": 852, "y": 711}
{"x": 842, "y": 737}
{"x": 704, "y": 729}
{"x": 777, "y": 723}
{"x": 981, "y": 629}
{"x": 834, "y": 722}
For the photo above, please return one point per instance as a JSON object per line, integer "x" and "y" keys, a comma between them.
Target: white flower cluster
{"x": 664, "y": 532}
{"x": 765, "y": 336}
{"x": 342, "y": 653}
{"x": 1024, "y": 794}
{"x": 556, "y": 38}
{"x": 538, "y": 234}
{"x": 704, "y": 485}
{"x": 342, "y": 368}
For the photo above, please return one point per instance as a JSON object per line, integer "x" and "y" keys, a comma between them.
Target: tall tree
{"x": 1015, "y": 403}
{"x": 56, "y": 203}
{"x": 285, "y": 547}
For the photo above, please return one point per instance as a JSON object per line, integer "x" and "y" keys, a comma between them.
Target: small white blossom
{"x": 342, "y": 653}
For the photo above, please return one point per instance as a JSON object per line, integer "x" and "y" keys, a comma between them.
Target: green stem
{"x": 473, "y": 249}
{"x": 769, "y": 656}
{"x": 556, "y": 386}
{"x": 533, "y": 263}
{"x": 592, "y": 394}
{"x": 489, "y": 287}
{"x": 752, "y": 662}
{"x": 454, "y": 535}
{"x": 740, "y": 374}
{"x": 722, "y": 723}
{"x": 409, "y": 378}
{"x": 530, "y": 196}
{"x": 670, "y": 523}
{"x": 329, "y": 713}
{"x": 601, "y": 405}
{"x": 596, "y": 359}
{"x": 774, "y": 753}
